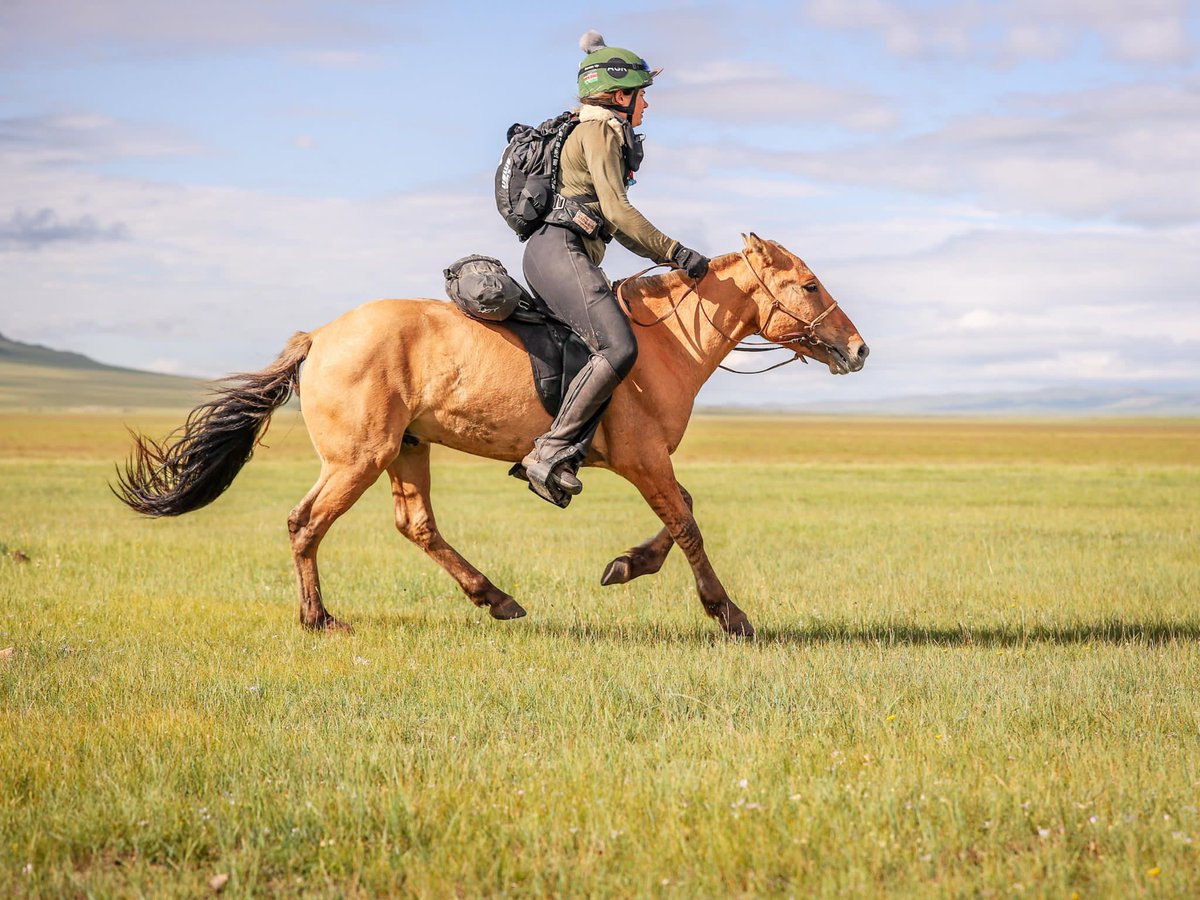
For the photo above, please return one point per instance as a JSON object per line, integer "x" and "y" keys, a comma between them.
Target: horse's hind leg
{"x": 414, "y": 519}
{"x": 644, "y": 559}
{"x": 336, "y": 490}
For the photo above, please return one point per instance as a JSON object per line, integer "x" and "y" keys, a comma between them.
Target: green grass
{"x": 977, "y": 673}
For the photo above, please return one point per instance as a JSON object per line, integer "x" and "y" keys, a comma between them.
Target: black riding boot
{"x": 557, "y": 454}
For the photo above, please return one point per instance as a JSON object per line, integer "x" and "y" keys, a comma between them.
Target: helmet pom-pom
{"x": 591, "y": 42}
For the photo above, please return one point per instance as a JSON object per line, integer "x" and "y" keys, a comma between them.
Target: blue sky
{"x": 1004, "y": 196}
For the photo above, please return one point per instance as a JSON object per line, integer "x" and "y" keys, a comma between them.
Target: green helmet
{"x": 610, "y": 68}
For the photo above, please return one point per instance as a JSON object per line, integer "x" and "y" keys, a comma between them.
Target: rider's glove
{"x": 691, "y": 262}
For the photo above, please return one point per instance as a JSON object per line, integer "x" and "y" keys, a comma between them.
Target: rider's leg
{"x": 558, "y": 268}
{"x": 560, "y": 448}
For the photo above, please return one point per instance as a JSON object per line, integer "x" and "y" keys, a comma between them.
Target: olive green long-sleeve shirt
{"x": 593, "y": 165}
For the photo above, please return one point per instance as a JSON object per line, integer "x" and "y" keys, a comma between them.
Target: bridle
{"x": 806, "y": 337}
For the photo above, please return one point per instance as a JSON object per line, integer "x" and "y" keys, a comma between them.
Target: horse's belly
{"x": 470, "y": 387}
{"x": 496, "y": 426}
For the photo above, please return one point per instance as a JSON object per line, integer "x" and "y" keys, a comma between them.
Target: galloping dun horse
{"x": 386, "y": 380}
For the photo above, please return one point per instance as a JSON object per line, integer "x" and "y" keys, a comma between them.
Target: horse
{"x": 385, "y": 381}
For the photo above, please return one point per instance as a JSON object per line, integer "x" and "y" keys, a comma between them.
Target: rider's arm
{"x": 631, "y": 245}
{"x": 602, "y": 152}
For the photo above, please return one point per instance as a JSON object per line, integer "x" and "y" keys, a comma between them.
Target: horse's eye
{"x": 811, "y": 287}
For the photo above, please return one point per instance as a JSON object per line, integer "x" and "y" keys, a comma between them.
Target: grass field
{"x": 977, "y": 673}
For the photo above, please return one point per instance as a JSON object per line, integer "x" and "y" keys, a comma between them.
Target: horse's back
{"x": 389, "y": 326}
{"x": 420, "y": 365}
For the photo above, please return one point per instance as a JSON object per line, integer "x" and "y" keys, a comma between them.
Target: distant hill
{"x": 33, "y": 377}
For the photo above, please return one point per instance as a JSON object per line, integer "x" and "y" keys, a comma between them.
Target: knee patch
{"x": 622, "y": 354}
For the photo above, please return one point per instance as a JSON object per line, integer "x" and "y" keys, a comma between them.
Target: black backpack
{"x": 528, "y": 172}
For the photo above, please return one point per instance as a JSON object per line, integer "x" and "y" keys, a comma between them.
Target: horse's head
{"x": 796, "y": 311}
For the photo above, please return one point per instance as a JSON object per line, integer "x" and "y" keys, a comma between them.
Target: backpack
{"x": 528, "y": 172}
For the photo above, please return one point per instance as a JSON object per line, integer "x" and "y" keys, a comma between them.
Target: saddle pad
{"x": 556, "y": 355}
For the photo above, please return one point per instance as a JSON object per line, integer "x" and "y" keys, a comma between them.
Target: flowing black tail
{"x": 195, "y": 463}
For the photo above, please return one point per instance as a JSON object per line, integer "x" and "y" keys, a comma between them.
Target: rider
{"x": 562, "y": 264}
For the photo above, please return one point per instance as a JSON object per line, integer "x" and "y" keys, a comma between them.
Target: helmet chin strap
{"x": 628, "y": 108}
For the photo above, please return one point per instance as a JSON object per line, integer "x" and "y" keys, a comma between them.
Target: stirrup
{"x": 544, "y": 480}
{"x": 547, "y": 490}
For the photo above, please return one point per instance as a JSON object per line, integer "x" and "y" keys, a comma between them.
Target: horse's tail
{"x": 196, "y": 463}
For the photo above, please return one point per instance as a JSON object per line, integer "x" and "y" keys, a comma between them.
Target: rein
{"x": 620, "y": 284}
{"x": 799, "y": 339}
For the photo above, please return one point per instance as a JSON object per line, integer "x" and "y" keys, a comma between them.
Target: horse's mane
{"x": 651, "y": 284}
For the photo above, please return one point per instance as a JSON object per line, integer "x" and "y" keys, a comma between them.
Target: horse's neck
{"x": 706, "y": 324}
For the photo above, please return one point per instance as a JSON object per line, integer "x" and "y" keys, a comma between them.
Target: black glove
{"x": 691, "y": 262}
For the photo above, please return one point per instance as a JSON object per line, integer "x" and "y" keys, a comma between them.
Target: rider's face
{"x": 639, "y": 108}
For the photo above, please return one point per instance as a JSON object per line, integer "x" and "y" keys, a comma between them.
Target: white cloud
{"x": 1150, "y": 31}
{"x": 205, "y": 276}
{"x": 1129, "y": 154}
{"x": 341, "y": 59}
{"x": 31, "y": 28}
{"x": 980, "y": 320}
{"x": 740, "y": 92}
{"x": 1026, "y": 308}
{"x": 75, "y": 139}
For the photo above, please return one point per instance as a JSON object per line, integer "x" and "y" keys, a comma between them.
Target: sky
{"x": 1003, "y": 196}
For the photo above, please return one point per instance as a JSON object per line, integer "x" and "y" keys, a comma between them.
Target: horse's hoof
{"x": 734, "y": 621}
{"x": 739, "y": 627}
{"x": 619, "y": 571}
{"x": 508, "y": 608}
{"x": 330, "y": 625}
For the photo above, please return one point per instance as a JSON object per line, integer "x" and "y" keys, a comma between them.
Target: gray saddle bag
{"x": 482, "y": 288}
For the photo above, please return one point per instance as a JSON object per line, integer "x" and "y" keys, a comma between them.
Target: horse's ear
{"x": 758, "y": 245}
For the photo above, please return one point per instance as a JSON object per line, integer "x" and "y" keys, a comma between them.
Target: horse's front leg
{"x": 658, "y": 486}
{"x": 644, "y": 559}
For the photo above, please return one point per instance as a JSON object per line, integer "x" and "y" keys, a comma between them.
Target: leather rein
{"x": 807, "y": 336}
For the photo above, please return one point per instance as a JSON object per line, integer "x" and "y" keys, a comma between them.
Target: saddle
{"x": 482, "y": 288}
{"x": 556, "y": 354}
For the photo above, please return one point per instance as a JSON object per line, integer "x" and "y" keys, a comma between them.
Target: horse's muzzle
{"x": 851, "y": 359}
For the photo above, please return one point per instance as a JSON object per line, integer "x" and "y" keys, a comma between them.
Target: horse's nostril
{"x": 863, "y": 351}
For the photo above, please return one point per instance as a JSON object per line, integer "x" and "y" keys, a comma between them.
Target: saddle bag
{"x": 482, "y": 288}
